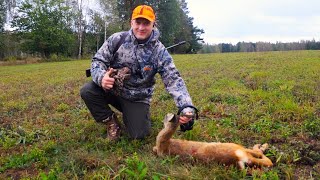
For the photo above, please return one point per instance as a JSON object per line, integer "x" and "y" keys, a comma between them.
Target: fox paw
{"x": 264, "y": 146}
{"x": 260, "y": 147}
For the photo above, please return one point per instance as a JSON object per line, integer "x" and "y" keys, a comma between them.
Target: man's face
{"x": 142, "y": 28}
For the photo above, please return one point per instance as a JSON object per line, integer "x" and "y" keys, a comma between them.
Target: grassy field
{"x": 46, "y": 131}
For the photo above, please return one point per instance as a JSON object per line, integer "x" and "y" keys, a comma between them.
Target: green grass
{"x": 47, "y": 132}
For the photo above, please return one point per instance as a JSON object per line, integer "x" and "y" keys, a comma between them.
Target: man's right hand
{"x": 107, "y": 81}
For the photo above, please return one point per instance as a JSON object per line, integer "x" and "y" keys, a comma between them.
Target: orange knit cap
{"x": 143, "y": 11}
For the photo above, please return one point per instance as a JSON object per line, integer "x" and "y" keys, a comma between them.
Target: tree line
{"x": 70, "y": 28}
{"x": 260, "y": 46}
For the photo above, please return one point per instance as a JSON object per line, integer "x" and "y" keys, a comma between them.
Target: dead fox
{"x": 224, "y": 153}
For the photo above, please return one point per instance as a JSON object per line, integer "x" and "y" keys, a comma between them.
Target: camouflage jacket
{"x": 144, "y": 60}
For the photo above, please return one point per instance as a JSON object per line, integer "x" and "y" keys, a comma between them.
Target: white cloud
{"x": 256, "y": 20}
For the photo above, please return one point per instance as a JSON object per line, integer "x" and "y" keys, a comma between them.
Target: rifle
{"x": 182, "y": 42}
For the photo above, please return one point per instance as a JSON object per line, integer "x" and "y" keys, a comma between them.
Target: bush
{"x": 11, "y": 59}
{"x": 56, "y": 58}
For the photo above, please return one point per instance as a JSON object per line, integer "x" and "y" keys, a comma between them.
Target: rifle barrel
{"x": 178, "y": 44}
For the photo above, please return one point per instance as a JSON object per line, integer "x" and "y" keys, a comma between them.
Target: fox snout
{"x": 170, "y": 117}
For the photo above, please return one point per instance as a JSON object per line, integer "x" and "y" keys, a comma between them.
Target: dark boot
{"x": 113, "y": 127}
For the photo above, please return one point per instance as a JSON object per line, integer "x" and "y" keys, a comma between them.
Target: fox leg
{"x": 256, "y": 156}
{"x": 263, "y": 161}
{"x": 260, "y": 147}
{"x": 164, "y": 136}
{"x": 241, "y": 165}
{"x": 170, "y": 126}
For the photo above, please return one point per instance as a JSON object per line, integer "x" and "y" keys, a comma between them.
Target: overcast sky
{"x": 231, "y": 21}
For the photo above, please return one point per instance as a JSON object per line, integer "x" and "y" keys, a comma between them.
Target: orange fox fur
{"x": 224, "y": 153}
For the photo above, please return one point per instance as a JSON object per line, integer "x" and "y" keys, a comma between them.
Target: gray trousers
{"x": 136, "y": 115}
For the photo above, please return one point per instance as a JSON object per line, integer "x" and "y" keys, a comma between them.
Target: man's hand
{"x": 186, "y": 115}
{"x": 185, "y": 119}
{"x": 107, "y": 81}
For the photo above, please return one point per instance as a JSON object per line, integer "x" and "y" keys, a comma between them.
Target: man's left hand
{"x": 185, "y": 119}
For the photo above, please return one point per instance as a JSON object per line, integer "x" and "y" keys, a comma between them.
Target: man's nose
{"x": 141, "y": 26}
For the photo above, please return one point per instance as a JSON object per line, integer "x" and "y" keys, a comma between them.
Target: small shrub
{"x": 265, "y": 176}
{"x": 312, "y": 127}
{"x": 11, "y": 59}
{"x": 52, "y": 175}
{"x": 18, "y": 161}
{"x": 227, "y": 122}
{"x": 212, "y": 128}
{"x": 54, "y": 57}
{"x": 12, "y": 137}
{"x": 62, "y": 107}
{"x": 6, "y": 141}
{"x": 262, "y": 125}
{"x": 135, "y": 168}
{"x": 15, "y": 106}
{"x": 216, "y": 98}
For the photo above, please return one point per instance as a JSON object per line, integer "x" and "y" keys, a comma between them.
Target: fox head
{"x": 170, "y": 120}
{"x": 170, "y": 117}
